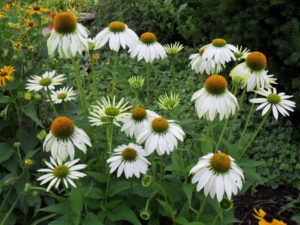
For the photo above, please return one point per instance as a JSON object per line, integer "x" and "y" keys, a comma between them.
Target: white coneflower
{"x": 214, "y": 98}
{"x": 61, "y": 173}
{"x": 62, "y": 138}
{"x": 201, "y": 65}
{"x": 136, "y": 122}
{"x": 219, "y": 52}
{"x": 107, "y": 110}
{"x": 67, "y": 37}
{"x": 117, "y": 34}
{"x": 161, "y": 135}
{"x": 275, "y": 102}
{"x": 217, "y": 174}
{"x": 173, "y": 49}
{"x": 254, "y": 69}
{"x": 168, "y": 102}
{"x": 148, "y": 48}
{"x": 241, "y": 53}
{"x": 136, "y": 81}
{"x": 64, "y": 94}
{"x": 47, "y": 81}
{"x": 130, "y": 160}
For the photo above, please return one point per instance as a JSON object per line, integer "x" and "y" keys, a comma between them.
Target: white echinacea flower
{"x": 64, "y": 94}
{"x": 62, "y": 138}
{"x": 47, "y": 81}
{"x": 61, "y": 173}
{"x": 277, "y": 102}
{"x": 217, "y": 174}
{"x": 117, "y": 34}
{"x": 67, "y": 37}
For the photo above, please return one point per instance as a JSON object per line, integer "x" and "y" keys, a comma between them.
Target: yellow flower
{"x": 28, "y": 162}
{"x": 30, "y": 23}
{"x": 9, "y": 5}
{"x": 17, "y": 46}
{"x": 14, "y": 25}
{"x": 2, "y": 15}
{"x": 36, "y": 9}
{"x": 31, "y": 48}
{"x": 264, "y": 219}
{"x": 95, "y": 57}
{"x": 5, "y": 73}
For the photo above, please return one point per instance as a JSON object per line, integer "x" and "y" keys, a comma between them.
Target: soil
{"x": 272, "y": 201}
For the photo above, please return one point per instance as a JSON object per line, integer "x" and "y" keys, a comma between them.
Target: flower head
{"x": 9, "y": 5}
{"x": 130, "y": 160}
{"x": 241, "y": 53}
{"x": 36, "y": 9}
{"x": 62, "y": 138}
{"x": 214, "y": 98}
{"x": 264, "y": 219}
{"x": 64, "y": 94}
{"x": 218, "y": 174}
{"x": 61, "y": 173}
{"x": 30, "y": 23}
{"x": 277, "y": 102}
{"x": 161, "y": 135}
{"x": 148, "y": 48}
{"x": 135, "y": 122}
{"x": 168, "y": 102}
{"x": 68, "y": 36}
{"x": 47, "y": 81}
{"x": 5, "y": 74}
{"x": 173, "y": 49}
{"x": 117, "y": 34}
{"x": 107, "y": 110}
{"x": 136, "y": 81}
{"x": 17, "y": 46}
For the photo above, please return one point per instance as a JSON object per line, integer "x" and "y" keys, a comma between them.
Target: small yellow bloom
{"x": 36, "y": 9}
{"x": 31, "y": 48}
{"x": 28, "y": 162}
{"x": 17, "y": 46}
{"x": 27, "y": 96}
{"x": 14, "y": 25}
{"x": 30, "y": 23}
{"x": 9, "y": 5}
{"x": 2, "y": 15}
{"x": 5, "y": 74}
{"x": 95, "y": 57}
{"x": 264, "y": 219}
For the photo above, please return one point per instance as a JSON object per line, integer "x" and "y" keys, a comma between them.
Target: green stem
{"x": 182, "y": 164}
{"x": 80, "y": 87}
{"x": 173, "y": 73}
{"x": 255, "y": 133}
{"x": 161, "y": 168}
{"x": 202, "y": 207}
{"x": 65, "y": 108}
{"x": 45, "y": 190}
{"x": 237, "y": 113}
{"x": 51, "y": 102}
{"x": 215, "y": 219}
{"x": 116, "y": 68}
{"x": 247, "y": 122}
{"x": 208, "y": 133}
{"x": 148, "y": 65}
{"x": 93, "y": 74}
{"x": 20, "y": 157}
{"x": 5, "y": 218}
{"x": 222, "y": 134}
{"x": 17, "y": 109}
{"x": 136, "y": 93}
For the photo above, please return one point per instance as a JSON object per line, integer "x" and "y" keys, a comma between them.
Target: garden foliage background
{"x": 270, "y": 26}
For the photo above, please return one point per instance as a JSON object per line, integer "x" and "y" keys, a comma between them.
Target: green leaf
{"x": 91, "y": 219}
{"x": 57, "y": 208}
{"x": 97, "y": 176}
{"x": 188, "y": 190}
{"x": 5, "y": 99}
{"x": 64, "y": 220}
{"x": 183, "y": 221}
{"x": 296, "y": 218}
{"x": 168, "y": 209}
{"x": 123, "y": 213}
{"x": 6, "y": 151}
{"x": 30, "y": 111}
{"x": 76, "y": 201}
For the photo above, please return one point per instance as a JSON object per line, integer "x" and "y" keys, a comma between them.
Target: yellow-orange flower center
{"x": 129, "y": 154}
{"x": 3, "y": 74}
{"x": 62, "y": 95}
{"x": 220, "y": 162}
{"x": 62, "y": 127}
{"x": 61, "y": 171}
{"x": 201, "y": 51}
{"x": 216, "y": 84}
{"x": 65, "y": 23}
{"x": 148, "y": 38}
{"x": 117, "y": 26}
{"x": 256, "y": 61}
{"x": 160, "y": 125}
{"x": 138, "y": 114}
{"x": 218, "y": 42}
{"x": 273, "y": 98}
